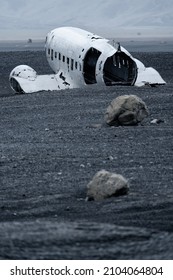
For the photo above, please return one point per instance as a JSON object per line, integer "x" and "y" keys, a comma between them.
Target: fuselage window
{"x": 76, "y": 64}
{"x": 59, "y": 56}
{"x": 63, "y": 58}
{"x": 68, "y": 60}
{"x": 72, "y": 63}
{"x": 55, "y": 54}
{"x": 48, "y": 51}
{"x": 51, "y": 54}
{"x": 80, "y": 67}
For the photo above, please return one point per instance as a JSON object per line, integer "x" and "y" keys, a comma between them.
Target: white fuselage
{"x": 66, "y": 50}
{"x": 79, "y": 58}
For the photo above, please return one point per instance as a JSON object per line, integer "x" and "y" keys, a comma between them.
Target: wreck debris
{"x": 126, "y": 110}
{"x": 89, "y": 59}
{"x": 106, "y": 184}
{"x": 156, "y": 121}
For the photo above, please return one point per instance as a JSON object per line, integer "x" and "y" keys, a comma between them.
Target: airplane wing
{"x": 147, "y": 75}
{"x": 24, "y": 79}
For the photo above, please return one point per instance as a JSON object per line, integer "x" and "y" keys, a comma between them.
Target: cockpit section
{"x": 119, "y": 69}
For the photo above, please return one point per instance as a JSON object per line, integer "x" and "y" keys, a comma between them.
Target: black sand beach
{"x": 53, "y": 143}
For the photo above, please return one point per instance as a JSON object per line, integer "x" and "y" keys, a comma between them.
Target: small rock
{"x": 95, "y": 125}
{"x": 110, "y": 158}
{"x": 106, "y": 184}
{"x": 126, "y": 110}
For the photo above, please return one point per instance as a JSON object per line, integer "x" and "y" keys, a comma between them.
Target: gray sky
{"x": 23, "y": 19}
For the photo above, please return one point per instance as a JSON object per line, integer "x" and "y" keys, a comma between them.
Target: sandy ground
{"x": 50, "y": 148}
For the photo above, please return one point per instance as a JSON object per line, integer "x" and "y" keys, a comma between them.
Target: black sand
{"x": 51, "y": 147}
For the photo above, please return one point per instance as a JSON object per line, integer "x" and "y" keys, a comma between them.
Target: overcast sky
{"x": 23, "y": 19}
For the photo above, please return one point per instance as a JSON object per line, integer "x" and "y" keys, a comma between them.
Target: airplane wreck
{"x": 79, "y": 58}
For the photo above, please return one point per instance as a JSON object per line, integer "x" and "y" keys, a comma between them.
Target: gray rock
{"x": 106, "y": 184}
{"x": 126, "y": 110}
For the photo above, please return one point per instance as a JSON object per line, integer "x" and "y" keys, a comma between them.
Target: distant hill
{"x": 111, "y": 17}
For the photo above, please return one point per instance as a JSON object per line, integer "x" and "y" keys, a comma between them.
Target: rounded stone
{"x": 126, "y": 110}
{"x": 106, "y": 184}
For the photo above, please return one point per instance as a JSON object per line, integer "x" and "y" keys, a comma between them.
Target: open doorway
{"x": 89, "y": 68}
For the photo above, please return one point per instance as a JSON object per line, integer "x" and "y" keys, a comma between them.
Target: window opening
{"x": 76, "y": 65}
{"x": 51, "y": 54}
{"x": 72, "y": 64}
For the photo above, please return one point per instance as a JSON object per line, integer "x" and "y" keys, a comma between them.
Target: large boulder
{"x": 106, "y": 184}
{"x": 126, "y": 110}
